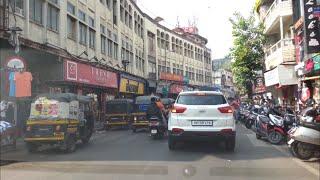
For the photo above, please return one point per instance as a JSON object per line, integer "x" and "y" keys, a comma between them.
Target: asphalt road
{"x": 124, "y": 155}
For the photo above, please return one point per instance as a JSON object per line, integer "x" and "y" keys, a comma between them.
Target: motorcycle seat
{"x": 315, "y": 126}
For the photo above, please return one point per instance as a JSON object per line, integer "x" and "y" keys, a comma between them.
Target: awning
{"x": 282, "y": 75}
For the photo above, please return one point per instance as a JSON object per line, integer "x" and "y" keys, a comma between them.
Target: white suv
{"x": 201, "y": 115}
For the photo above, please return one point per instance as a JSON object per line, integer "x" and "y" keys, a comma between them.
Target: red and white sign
{"x": 83, "y": 73}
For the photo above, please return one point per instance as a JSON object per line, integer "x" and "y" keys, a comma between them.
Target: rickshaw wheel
{"x": 32, "y": 147}
{"x": 87, "y": 138}
{"x": 71, "y": 145}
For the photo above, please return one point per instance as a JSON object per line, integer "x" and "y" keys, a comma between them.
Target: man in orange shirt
{"x": 23, "y": 84}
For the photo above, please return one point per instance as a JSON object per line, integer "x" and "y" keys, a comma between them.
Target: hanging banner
{"x": 312, "y": 27}
{"x": 83, "y": 73}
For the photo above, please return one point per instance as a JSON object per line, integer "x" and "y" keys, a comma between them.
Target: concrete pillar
{"x": 45, "y": 21}
{"x": 281, "y": 29}
{"x": 27, "y": 21}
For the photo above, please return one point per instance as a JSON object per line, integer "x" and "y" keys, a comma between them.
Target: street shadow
{"x": 121, "y": 145}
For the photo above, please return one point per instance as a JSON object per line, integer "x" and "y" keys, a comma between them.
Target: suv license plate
{"x": 202, "y": 123}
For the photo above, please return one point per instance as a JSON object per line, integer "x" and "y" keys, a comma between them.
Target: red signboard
{"x": 176, "y": 89}
{"x": 171, "y": 77}
{"x": 83, "y": 73}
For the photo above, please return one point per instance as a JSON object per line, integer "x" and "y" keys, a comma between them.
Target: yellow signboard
{"x": 131, "y": 86}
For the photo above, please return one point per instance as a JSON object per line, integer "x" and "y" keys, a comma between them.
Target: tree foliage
{"x": 247, "y": 51}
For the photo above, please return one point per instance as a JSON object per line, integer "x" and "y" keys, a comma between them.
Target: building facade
{"x": 279, "y": 61}
{"x": 115, "y": 33}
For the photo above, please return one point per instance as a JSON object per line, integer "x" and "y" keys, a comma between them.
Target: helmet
{"x": 310, "y": 102}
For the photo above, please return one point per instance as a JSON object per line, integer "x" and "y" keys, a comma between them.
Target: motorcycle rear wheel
{"x": 275, "y": 137}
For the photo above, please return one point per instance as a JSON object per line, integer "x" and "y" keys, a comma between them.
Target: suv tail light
{"x": 177, "y": 131}
{"x": 226, "y": 109}
{"x": 178, "y": 109}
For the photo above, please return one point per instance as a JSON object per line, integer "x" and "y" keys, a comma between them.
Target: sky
{"x": 211, "y": 17}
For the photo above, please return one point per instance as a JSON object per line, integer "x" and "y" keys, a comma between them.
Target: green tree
{"x": 247, "y": 51}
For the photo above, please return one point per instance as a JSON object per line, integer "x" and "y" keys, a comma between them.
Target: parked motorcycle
{"x": 304, "y": 140}
{"x": 157, "y": 127}
{"x": 254, "y": 112}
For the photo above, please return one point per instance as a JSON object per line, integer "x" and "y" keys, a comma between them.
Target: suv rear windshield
{"x": 203, "y": 99}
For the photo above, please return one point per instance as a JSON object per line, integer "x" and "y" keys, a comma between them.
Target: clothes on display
{"x": 23, "y": 84}
{"x": 12, "y": 84}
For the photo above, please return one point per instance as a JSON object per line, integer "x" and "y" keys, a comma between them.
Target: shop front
{"x": 309, "y": 72}
{"x": 131, "y": 86}
{"x": 282, "y": 83}
{"x": 85, "y": 79}
{"x": 171, "y": 85}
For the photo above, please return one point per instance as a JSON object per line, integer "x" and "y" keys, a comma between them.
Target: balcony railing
{"x": 279, "y": 53}
{"x": 277, "y": 8}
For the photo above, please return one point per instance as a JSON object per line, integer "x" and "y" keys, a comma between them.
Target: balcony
{"x": 279, "y": 8}
{"x": 280, "y": 53}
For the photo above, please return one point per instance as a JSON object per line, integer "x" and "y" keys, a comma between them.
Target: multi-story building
{"x": 114, "y": 33}
{"x": 279, "y": 61}
{"x": 101, "y": 47}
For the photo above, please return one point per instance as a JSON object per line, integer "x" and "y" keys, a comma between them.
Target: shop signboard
{"x": 311, "y": 26}
{"x": 281, "y": 75}
{"x": 316, "y": 60}
{"x": 259, "y": 86}
{"x": 171, "y": 77}
{"x": 131, "y": 85}
{"x": 83, "y": 73}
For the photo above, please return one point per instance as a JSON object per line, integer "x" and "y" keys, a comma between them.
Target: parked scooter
{"x": 273, "y": 127}
{"x": 157, "y": 127}
{"x": 304, "y": 140}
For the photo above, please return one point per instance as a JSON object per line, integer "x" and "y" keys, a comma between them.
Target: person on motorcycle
{"x": 154, "y": 110}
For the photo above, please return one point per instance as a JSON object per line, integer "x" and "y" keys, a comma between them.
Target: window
{"x": 92, "y": 38}
{"x": 115, "y": 51}
{"x": 36, "y": 10}
{"x": 108, "y": 4}
{"x": 54, "y": 1}
{"x": 103, "y": 44}
{"x": 53, "y": 18}
{"x": 110, "y": 45}
{"x": 91, "y": 22}
{"x": 83, "y": 34}
{"x": 102, "y": 29}
{"x": 18, "y": 6}
{"x": 71, "y": 8}
{"x": 71, "y": 27}
{"x": 82, "y": 16}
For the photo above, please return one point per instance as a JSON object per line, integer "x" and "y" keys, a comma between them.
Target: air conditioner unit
{"x": 19, "y": 10}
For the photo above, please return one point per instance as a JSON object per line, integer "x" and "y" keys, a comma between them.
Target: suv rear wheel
{"x": 231, "y": 144}
{"x": 171, "y": 144}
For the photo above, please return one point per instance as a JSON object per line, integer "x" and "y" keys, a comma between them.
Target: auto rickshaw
{"x": 141, "y": 105}
{"x": 59, "y": 120}
{"x": 118, "y": 113}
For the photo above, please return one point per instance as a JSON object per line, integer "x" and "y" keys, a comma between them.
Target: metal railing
{"x": 280, "y": 44}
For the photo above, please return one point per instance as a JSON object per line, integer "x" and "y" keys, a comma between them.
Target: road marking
{"x": 299, "y": 162}
{"x": 255, "y": 142}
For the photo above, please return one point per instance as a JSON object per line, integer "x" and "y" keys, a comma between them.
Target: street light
{"x": 125, "y": 63}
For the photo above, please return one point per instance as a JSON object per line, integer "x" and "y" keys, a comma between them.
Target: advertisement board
{"x": 171, "y": 77}
{"x": 83, "y": 73}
